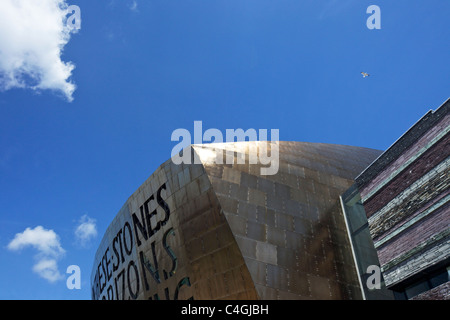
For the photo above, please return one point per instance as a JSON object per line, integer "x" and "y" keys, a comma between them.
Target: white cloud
{"x": 47, "y": 243}
{"x": 86, "y": 230}
{"x": 48, "y": 269}
{"x": 32, "y": 37}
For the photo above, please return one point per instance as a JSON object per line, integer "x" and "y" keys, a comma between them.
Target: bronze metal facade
{"x": 225, "y": 231}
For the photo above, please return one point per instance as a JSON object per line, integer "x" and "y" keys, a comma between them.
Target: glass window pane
{"x": 416, "y": 289}
{"x": 439, "y": 279}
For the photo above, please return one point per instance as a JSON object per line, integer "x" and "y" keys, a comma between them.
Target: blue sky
{"x": 143, "y": 69}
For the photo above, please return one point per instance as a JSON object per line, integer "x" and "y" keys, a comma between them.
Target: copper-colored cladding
{"x": 224, "y": 231}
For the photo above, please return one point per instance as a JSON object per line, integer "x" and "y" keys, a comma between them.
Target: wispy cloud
{"x": 86, "y": 230}
{"x": 134, "y": 6}
{"x": 47, "y": 243}
{"x": 32, "y": 37}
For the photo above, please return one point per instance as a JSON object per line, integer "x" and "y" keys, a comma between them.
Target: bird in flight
{"x": 365, "y": 74}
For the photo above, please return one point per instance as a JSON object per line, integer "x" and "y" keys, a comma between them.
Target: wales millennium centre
{"x": 334, "y": 222}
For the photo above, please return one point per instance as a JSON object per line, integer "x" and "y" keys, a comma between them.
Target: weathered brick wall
{"x": 412, "y": 201}
{"x": 407, "y": 200}
{"x": 401, "y": 159}
{"x": 417, "y": 169}
{"x": 408, "y": 264}
{"x": 412, "y": 237}
{"x": 441, "y": 292}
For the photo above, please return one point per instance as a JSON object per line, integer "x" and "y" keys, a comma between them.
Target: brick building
{"x": 404, "y": 195}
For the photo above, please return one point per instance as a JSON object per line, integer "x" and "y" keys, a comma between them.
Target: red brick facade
{"x": 441, "y": 292}
{"x": 406, "y": 198}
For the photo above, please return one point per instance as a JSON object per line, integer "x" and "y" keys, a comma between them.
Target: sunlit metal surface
{"x": 225, "y": 231}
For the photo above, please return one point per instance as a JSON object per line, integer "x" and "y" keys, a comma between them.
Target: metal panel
{"x": 225, "y": 231}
